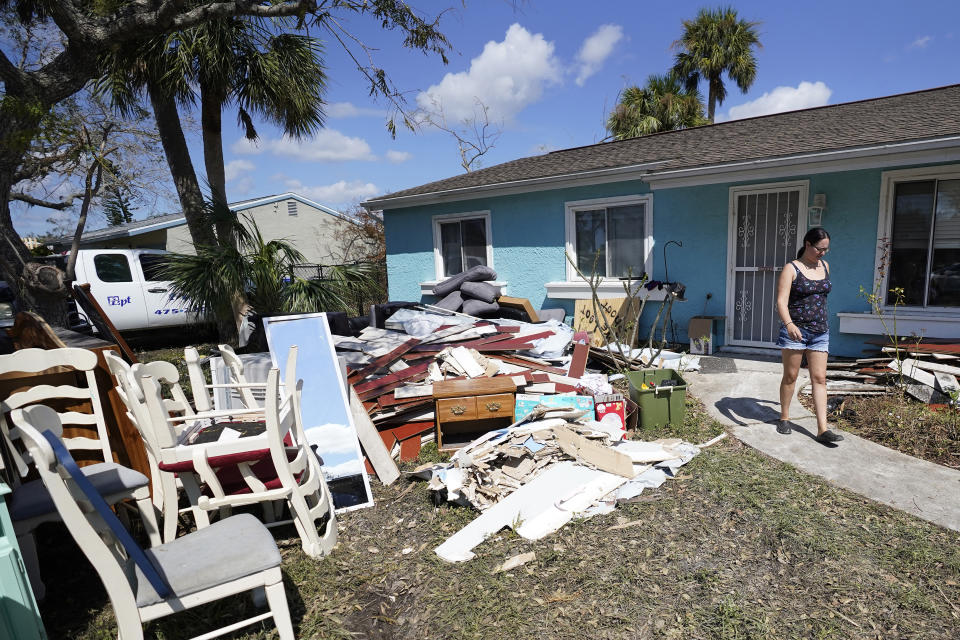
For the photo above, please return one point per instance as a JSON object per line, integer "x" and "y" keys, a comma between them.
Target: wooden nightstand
{"x": 466, "y": 409}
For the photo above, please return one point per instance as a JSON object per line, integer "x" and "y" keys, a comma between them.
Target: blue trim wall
{"x": 528, "y": 238}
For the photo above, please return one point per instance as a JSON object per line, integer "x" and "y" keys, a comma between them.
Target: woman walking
{"x": 802, "y": 290}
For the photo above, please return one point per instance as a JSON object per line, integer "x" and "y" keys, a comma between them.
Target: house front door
{"x": 766, "y": 225}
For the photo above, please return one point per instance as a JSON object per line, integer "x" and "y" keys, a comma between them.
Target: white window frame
{"x": 454, "y": 217}
{"x": 574, "y": 287}
{"x": 888, "y": 185}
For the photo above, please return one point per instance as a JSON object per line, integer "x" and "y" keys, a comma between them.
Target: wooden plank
{"x": 377, "y": 392}
{"x": 406, "y": 374}
{"x": 477, "y": 387}
{"x": 531, "y": 365}
{"x": 99, "y": 319}
{"x": 409, "y": 449}
{"x": 946, "y": 382}
{"x": 578, "y": 364}
{"x": 370, "y": 440}
{"x": 932, "y": 366}
{"x": 519, "y": 303}
{"x": 617, "y": 311}
{"x": 382, "y": 361}
{"x": 908, "y": 368}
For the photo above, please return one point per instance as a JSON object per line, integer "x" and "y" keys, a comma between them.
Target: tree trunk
{"x": 181, "y": 167}
{"x": 43, "y": 292}
{"x": 711, "y": 99}
{"x": 212, "y": 130}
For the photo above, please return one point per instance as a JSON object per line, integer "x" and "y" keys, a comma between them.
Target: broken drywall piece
{"x": 553, "y": 485}
{"x": 600, "y": 456}
{"x": 556, "y": 513}
{"x": 644, "y": 452}
{"x": 649, "y": 479}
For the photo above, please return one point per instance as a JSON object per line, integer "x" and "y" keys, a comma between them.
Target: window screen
{"x": 112, "y": 267}
{"x": 463, "y": 244}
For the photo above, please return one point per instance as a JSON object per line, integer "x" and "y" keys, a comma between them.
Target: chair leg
{"x": 28, "y": 549}
{"x": 149, "y": 516}
{"x": 192, "y": 489}
{"x": 277, "y": 599}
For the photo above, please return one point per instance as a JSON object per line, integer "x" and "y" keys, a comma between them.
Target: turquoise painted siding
{"x": 528, "y": 243}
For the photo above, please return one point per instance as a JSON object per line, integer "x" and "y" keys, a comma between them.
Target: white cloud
{"x": 506, "y": 77}
{"x": 328, "y": 145}
{"x": 397, "y": 157}
{"x": 596, "y": 49}
{"x": 921, "y": 42}
{"x": 336, "y": 194}
{"x": 237, "y": 169}
{"x": 348, "y": 468}
{"x": 350, "y": 110}
{"x": 243, "y": 186}
{"x": 803, "y": 96}
{"x": 332, "y": 439}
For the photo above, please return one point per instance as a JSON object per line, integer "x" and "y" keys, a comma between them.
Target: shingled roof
{"x": 921, "y": 115}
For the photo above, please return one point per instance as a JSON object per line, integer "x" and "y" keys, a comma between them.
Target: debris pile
{"x": 541, "y": 472}
{"x": 927, "y": 371}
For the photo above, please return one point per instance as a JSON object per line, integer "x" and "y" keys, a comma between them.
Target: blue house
{"x": 881, "y": 175}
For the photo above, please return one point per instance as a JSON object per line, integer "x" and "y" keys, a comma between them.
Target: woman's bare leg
{"x": 817, "y": 366}
{"x": 791, "y": 368}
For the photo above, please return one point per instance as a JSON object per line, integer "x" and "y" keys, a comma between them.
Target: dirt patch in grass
{"x": 899, "y": 422}
{"x": 737, "y": 546}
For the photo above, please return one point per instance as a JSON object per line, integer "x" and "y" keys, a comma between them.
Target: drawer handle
{"x": 493, "y": 406}
{"x": 458, "y": 409}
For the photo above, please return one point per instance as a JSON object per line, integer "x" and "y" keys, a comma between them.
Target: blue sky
{"x": 550, "y": 72}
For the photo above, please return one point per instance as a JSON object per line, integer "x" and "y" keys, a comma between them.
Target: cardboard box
{"x": 527, "y": 401}
{"x": 700, "y": 331}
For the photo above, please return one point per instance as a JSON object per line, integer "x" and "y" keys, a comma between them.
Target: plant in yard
{"x": 884, "y": 306}
{"x": 717, "y": 42}
{"x": 263, "y": 271}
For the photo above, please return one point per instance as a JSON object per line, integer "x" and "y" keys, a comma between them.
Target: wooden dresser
{"x": 466, "y": 409}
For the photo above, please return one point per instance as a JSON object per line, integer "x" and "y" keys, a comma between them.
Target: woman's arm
{"x": 784, "y": 282}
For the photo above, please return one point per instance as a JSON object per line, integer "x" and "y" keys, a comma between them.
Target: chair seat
{"x": 31, "y": 499}
{"x": 200, "y": 560}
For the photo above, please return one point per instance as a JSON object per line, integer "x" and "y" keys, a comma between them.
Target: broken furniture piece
{"x": 465, "y": 409}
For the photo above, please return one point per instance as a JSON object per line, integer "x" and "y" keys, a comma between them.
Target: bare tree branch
{"x": 66, "y": 203}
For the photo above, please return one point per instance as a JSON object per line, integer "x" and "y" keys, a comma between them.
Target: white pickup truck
{"x": 126, "y": 284}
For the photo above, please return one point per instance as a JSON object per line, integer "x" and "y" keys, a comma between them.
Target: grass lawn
{"x": 738, "y": 546}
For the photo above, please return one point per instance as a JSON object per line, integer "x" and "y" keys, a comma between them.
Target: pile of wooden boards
{"x": 391, "y": 372}
{"x": 928, "y": 371}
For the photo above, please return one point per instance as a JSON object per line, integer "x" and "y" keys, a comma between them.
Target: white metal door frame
{"x": 803, "y": 187}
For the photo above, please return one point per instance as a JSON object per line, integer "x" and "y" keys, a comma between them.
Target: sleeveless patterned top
{"x": 808, "y": 302}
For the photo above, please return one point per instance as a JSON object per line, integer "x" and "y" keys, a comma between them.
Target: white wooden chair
{"x": 234, "y": 555}
{"x": 301, "y": 481}
{"x": 243, "y": 389}
{"x": 30, "y": 504}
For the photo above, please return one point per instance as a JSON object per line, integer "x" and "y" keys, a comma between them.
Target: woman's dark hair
{"x": 813, "y": 236}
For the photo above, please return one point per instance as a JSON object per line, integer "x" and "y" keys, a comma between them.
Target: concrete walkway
{"x": 747, "y": 401}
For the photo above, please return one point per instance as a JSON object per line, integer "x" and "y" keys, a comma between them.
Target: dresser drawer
{"x": 456, "y": 409}
{"x": 495, "y": 406}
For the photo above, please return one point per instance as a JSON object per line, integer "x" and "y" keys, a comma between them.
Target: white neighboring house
{"x": 311, "y": 227}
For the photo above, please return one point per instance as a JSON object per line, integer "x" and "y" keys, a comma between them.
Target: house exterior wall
{"x": 311, "y": 231}
{"x": 528, "y": 238}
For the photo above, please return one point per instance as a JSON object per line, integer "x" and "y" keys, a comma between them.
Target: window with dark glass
{"x": 609, "y": 240}
{"x": 112, "y": 267}
{"x": 463, "y": 244}
{"x": 153, "y": 266}
{"x": 925, "y": 243}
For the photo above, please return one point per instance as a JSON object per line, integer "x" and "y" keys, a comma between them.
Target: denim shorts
{"x": 811, "y": 341}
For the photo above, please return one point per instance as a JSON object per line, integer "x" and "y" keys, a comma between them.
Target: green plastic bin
{"x": 658, "y": 406}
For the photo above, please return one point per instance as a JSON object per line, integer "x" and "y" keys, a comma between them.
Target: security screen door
{"x": 766, "y": 226}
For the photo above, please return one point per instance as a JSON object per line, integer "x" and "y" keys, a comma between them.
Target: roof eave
{"x": 644, "y": 172}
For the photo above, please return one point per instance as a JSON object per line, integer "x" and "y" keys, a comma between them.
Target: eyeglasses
{"x": 819, "y": 250}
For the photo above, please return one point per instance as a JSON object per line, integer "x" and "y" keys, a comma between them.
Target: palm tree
{"x": 664, "y": 104}
{"x": 263, "y": 270}
{"x": 242, "y": 61}
{"x": 714, "y": 43}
